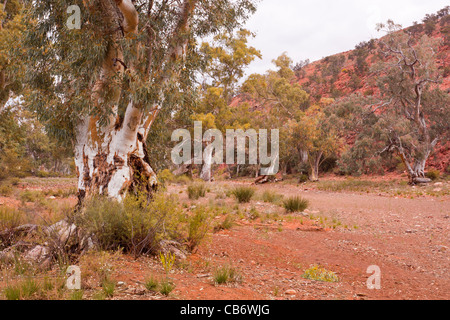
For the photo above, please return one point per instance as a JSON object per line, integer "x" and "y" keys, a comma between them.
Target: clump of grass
{"x": 271, "y": 197}
{"x": 320, "y": 274}
{"x": 351, "y": 184}
{"x": 24, "y": 290}
{"x": 166, "y": 176}
{"x": 6, "y": 190}
{"x": 166, "y": 287}
{"x": 182, "y": 180}
{"x": 295, "y": 204}
{"x": 10, "y": 218}
{"x": 226, "y": 274}
{"x": 99, "y": 296}
{"x": 433, "y": 174}
{"x": 151, "y": 284}
{"x": 76, "y": 295}
{"x": 29, "y": 288}
{"x": 30, "y": 196}
{"x": 12, "y": 293}
{"x": 254, "y": 214}
{"x": 303, "y": 178}
{"x": 196, "y": 191}
{"x": 198, "y": 228}
{"x": 243, "y": 194}
{"x": 61, "y": 193}
{"x": 226, "y": 224}
{"x": 108, "y": 286}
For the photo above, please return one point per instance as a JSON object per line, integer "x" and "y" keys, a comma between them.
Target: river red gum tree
{"x": 104, "y": 85}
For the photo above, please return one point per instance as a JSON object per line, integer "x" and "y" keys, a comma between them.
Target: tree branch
{"x": 176, "y": 51}
{"x": 131, "y": 17}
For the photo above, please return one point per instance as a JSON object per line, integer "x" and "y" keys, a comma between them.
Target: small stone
{"x": 361, "y": 295}
{"x": 136, "y": 291}
{"x": 173, "y": 247}
{"x": 291, "y": 292}
{"x": 39, "y": 255}
{"x": 304, "y": 214}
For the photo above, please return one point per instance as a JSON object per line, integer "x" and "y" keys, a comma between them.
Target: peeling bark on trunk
{"x": 112, "y": 159}
{"x": 116, "y": 163}
{"x": 109, "y": 157}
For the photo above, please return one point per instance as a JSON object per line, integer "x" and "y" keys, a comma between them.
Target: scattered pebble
{"x": 291, "y": 292}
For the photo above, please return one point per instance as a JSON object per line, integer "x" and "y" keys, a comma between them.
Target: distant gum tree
{"x": 415, "y": 113}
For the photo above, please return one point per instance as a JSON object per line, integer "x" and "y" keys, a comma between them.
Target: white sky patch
{"x": 314, "y": 29}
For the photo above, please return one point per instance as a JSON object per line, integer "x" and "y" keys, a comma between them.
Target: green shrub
{"x": 271, "y": 197}
{"x": 6, "y": 189}
{"x": 166, "y": 176}
{"x": 295, "y": 204}
{"x": 135, "y": 226}
{"x": 226, "y": 274}
{"x": 254, "y": 214}
{"x": 76, "y": 295}
{"x": 243, "y": 194}
{"x": 199, "y": 225}
{"x": 30, "y": 196}
{"x": 42, "y": 174}
{"x": 303, "y": 178}
{"x": 12, "y": 293}
{"x": 151, "y": 284}
{"x": 166, "y": 287}
{"x": 10, "y": 218}
{"x": 99, "y": 296}
{"x": 28, "y": 288}
{"x": 108, "y": 286}
{"x": 226, "y": 224}
{"x": 433, "y": 174}
{"x": 196, "y": 191}
{"x": 320, "y": 274}
{"x": 183, "y": 180}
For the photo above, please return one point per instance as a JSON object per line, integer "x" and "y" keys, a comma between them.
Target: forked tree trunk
{"x": 112, "y": 159}
{"x": 314, "y": 162}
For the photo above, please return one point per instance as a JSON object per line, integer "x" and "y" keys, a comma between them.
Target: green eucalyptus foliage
{"x": 62, "y": 64}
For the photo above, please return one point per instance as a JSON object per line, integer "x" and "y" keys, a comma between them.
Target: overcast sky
{"x": 313, "y": 29}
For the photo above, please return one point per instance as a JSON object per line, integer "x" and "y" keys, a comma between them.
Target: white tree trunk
{"x": 112, "y": 159}
{"x": 108, "y": 158}
{"x": 206, "y": 174}
{"x": 314, "y": 165}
